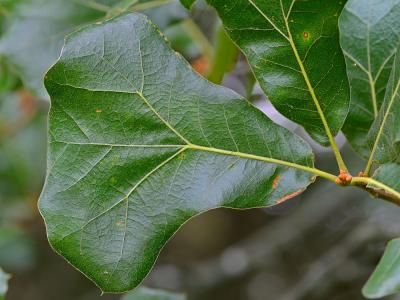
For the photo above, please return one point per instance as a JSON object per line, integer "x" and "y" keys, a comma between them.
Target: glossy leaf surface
{"x": 386, "y": 278}
{"x": 151, "y": 294}
{"x": 293, "y": 49}
{"x": 370, "y": 32}
{"x": 140, "y": 143}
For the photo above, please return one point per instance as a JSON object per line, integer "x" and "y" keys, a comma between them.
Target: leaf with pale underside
{"x": 386, "y": 278}
{"x": 293, "y": 49}
{"x": 370, "y": 31}
{"x": 139, "y": 143}
{"x": 384, "y": 135}
{"x": 389, "y": 174}
{"x": 151, "y": 294}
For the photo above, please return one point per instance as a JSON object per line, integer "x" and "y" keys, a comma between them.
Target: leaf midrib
{"x": 307, "y": 80}
{"x": 189, "y": 145}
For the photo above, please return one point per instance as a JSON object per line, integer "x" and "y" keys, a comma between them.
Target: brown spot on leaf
{"x": 306, "y": 35}
{"x": 276, "y": 182}
{"x": 98, "y": 110}
{"x": 120, "y": 223}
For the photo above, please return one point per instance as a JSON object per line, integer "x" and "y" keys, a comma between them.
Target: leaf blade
{"x": 369, "y": 37}
{"x": 384, "y": 135}
{"x": 151, "y": 144}
{"x": 284, "y": 58}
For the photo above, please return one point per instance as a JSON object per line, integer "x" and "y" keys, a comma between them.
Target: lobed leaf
{"x": 293, "y": 49}
{"x": 370, "y": 31}
{"x": 139, "y": 143}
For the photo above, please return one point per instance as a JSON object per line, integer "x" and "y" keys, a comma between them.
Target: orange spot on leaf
{"x": 99, "y": 110}
{"x": 306, "y": 35}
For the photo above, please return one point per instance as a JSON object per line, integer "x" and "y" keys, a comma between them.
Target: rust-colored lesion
{"x": 289, "y": 196}
{"x": 275, "y": 183}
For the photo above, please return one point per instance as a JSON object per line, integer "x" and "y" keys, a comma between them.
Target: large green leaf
{"x": 151, "y": 294}
{"x": 36, "y": 34}
{"x": 140, "y": 143}
{"x": 3, "y": 284}
{"x": 386, "y": 278}
{"x": 293, "y": 49}
{"x": 370, "y": 31}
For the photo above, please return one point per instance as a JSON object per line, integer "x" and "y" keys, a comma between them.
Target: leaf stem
{"x": 377, "y": 189}
{"x": 335, "y": 148}
{"x": 311, "y": 170}
{"x": 371, "y": 185}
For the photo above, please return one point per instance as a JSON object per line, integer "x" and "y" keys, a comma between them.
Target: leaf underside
{"x": 139, "y": 143}
{"x": 275, "y": 35}
{"x": 384, "y": 135}
{"x": 370, "y": 31}
{"x": 389, "y": 174}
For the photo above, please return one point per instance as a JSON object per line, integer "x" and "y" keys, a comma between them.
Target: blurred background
{"x": 322, "y": 245}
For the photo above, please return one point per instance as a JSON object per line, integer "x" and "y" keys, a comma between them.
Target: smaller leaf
{"x": 151, "y": 294}
{"x": 384, "y": 135}
{"x": 187, "y": 3}
{"x": 4, "y": 284}
{"x": 369, "y": 31}
{"x": 386, "y": 278}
